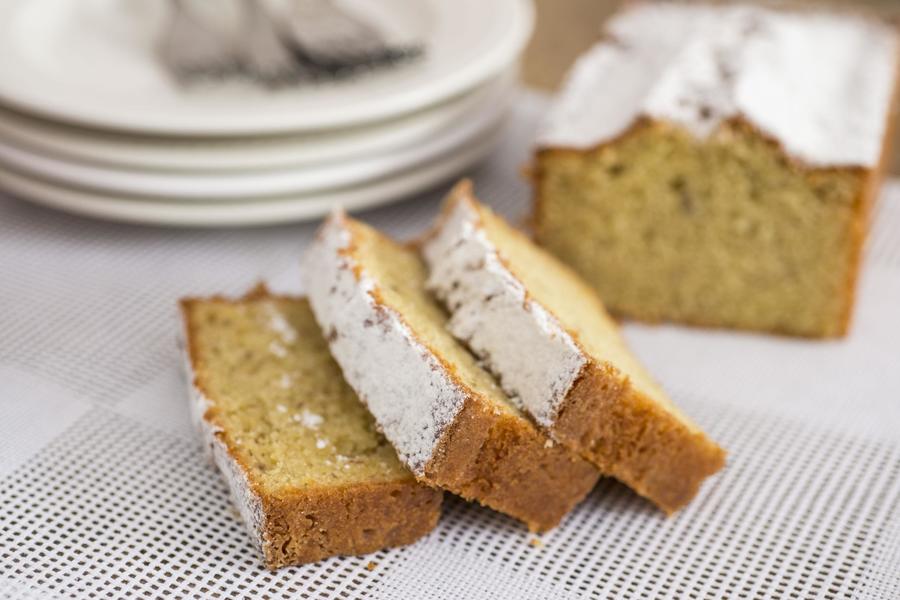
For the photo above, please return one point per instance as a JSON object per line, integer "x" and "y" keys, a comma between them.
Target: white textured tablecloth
{"x": 104, "y": 490}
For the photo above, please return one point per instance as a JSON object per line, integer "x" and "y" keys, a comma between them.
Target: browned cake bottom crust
{"x": 504, "y": 462}
{"x": 635, "y": 440}
{"x": 303, "y": 527}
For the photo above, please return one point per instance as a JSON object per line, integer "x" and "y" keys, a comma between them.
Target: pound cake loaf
{"x": 305, "y": 465}
{"x": 546, "y": 336}
{"x": 715, "y": 165}
{"x": 447, "y": 418}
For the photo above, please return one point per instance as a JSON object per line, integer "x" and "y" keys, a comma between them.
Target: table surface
{"x": 105, "y": 490}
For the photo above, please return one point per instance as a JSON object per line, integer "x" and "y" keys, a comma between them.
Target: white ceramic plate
{"x": 226, "y": 187}
{"x": 134, "y": 152}
{"x": 251, "y": 211}
{"x": 93, "y": 62}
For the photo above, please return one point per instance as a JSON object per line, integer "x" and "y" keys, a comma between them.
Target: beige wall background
{"x": 566, "y": 28}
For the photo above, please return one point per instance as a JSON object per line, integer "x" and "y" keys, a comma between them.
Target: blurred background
{"x": 252, "y": 112}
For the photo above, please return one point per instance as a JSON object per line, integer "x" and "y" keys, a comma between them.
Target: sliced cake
{"x": 305, "y": 465}
{"x": 447, "y": 418}
{"x": 547, "y": 337}
{"x": 716, "y": 165}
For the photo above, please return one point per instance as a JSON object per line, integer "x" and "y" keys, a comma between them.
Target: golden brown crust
{"x": 460, "y": 445}
{"x": 634, "y": 439}
{"x": 300, "y": 526}
{"x": 502, "y": 461}
{"x": 305, "y": 526}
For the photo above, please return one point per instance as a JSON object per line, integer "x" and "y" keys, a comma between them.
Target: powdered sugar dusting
{"x": 280, "y": 325}
{"x": 247, "y": 501}
{"x": 405, "y": 388}
{"x": 491, "y": 313}
{"x": 819, "y": 83}
{"x": 308, "y": 419}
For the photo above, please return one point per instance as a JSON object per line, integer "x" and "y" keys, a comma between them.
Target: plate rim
{"x": 204, "y": 187}
{"x": 56, "y": 107}
{"x": 163, "y": 155}
{"x": 254, "y": 211}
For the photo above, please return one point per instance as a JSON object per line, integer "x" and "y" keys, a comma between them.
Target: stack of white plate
{"x": 90, "y": 122}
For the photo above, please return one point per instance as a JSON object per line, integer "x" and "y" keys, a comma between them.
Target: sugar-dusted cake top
{"x": 406, "y": 388}
{"x": 818, "y": 83}
{"x": 494, "y": 314}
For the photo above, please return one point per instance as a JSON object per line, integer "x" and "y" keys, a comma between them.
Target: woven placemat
{"x": 105, "y": 492}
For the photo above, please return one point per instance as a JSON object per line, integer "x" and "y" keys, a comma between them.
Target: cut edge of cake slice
{"x": 746, "y": 113}
{"x": 298, "y": 524}
{"x": 581, "y": 384}
{"x": 449, "y": 433}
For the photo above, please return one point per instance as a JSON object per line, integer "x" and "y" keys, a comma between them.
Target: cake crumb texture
{"x": 720, "y": 170}
{"x": 297, "y": 443}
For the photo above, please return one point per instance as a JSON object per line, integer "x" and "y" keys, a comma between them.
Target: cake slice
{"x": 447, "y": 418}
{"x": 304, "y": 463}
{"x": 716, "y": 164}
{"x": 547, "y": 337}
